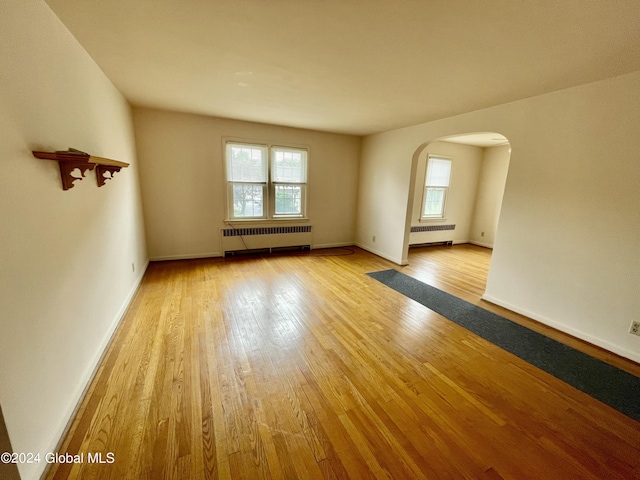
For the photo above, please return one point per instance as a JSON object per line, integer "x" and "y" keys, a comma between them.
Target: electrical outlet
{"x": 635, "y": 328}
{"x": 374, "y": 239}
{"x": 482, "y": 234}
{"x": 133, "y": 267}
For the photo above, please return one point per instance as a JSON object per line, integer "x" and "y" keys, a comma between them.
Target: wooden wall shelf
{"x": 74, "y": 165}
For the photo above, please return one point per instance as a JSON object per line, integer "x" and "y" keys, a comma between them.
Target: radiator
{"x": 423, "y": 235}
{"x": 241, "y": 239}
{"x": 432, "y": 228}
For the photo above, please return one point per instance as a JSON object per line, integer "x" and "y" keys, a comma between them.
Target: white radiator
{"x": 422, "y": 235}
{"x": 239, "y": 239}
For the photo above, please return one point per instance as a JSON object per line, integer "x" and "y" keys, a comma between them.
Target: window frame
{"x": 269, "y": 186}
{"x": 273, "y": 183}
{"x": 232, "y": 183}
{"x": 427, "y": 187}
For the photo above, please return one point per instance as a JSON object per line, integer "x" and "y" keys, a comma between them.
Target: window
{"x": 266, "y": 183}
{"x": 247, "y": 180}
{"x": 289, "y": 175}
{"x": 436, "y": 187}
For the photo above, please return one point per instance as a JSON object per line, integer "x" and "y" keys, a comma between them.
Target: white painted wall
{"x": 65, "y": 263}
{"x": 567, "y": 250}
{"x": 383, "y": 220}
{"x": 465, "y": 171}
{"x": 491, "y": 182}
{"x": 183, "y": 187}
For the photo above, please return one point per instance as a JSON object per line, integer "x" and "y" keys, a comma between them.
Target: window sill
{"x": 267, "y": 220}
{"x": 431, "y": 220}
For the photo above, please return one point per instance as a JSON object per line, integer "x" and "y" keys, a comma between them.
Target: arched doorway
{"x": 457, "y": 185}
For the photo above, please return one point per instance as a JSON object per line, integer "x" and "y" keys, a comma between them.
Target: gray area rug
{"x": 602, "y": 381}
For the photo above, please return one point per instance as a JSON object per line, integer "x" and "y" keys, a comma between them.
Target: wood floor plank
{"x": 301, "y": 366}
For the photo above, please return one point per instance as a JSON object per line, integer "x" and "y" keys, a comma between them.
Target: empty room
{"x": 320, "y": 239}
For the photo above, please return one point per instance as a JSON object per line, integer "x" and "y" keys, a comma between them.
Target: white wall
{"x": 567, "y": 249}
{"x": 465, "y": 171}
{"x": 475, "y": 195}
{"x": 491, "y": 182}
{"x": 65, "y": 263}
{"x": 384, "y": 220}
{"x": 183, "y": 188}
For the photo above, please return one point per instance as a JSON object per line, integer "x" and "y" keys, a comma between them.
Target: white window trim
{"x": 273, "y": 184}
{"x": 230, "y": 184}
{"x": 443, "y": 217}
{"x": 269, "y": 197}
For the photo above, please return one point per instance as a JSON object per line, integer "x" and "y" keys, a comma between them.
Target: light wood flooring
{"x": 301, "y": 366}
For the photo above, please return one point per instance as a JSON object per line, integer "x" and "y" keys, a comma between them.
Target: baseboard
{"x": 383, "y": 255}
{"x": 453, "y": 242}
{"x": 332, "y": 245}
{"x": 480, "y": 244}
{"x": 189, "y": 256}
{"x": 629, "y": 354}
{"x": 85, "y": 383}
{"x": 192, "y": 256}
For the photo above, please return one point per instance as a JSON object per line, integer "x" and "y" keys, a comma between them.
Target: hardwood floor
{"x": 303, "y": 367}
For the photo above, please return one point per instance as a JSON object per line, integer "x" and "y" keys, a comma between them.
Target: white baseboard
{"x": 189, "y": 256}
{"x": 480, "y": 244}
{"x": 630, "y": 354}
{"x": 193, "y": 256}
{"x": 332, "y": 245}
{"x": 383, "y": 255}
{"x": 85, "y": 382}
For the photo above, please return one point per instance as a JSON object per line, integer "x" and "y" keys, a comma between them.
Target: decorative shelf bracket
{"x": 105, "y": 172}
{"x": 68, "y": 170}
{"x": 72, "y": 160}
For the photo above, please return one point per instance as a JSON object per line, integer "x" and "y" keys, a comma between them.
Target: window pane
{"x": 289, "y": 166}
{"x": 438, "y": 172}
{"x": 434, "y": 202}
{"x": 246, "y": 163}
{"x": 288, "y": 200}
{"x": 248, "y": 200}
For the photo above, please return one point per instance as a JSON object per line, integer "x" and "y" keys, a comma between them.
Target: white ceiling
{"x": 351, "y": 66}
{"x": 479, "y": 139}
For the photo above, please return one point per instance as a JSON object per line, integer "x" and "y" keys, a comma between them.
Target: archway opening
{"x": 456, "y": 191}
